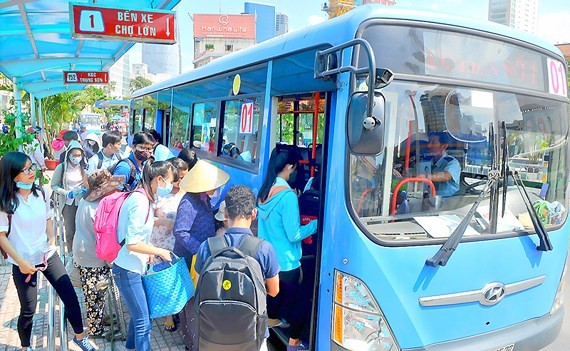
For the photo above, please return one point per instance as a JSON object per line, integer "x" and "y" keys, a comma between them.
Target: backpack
{"x": 4, "y": 254}
{"x": 100, "y": 157}
{"x": 232, "y": 316}
{"x": 107, "y": 244}
{"x": 132, "y": 175}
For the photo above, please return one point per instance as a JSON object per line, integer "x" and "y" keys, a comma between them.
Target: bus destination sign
{"x": 85, "y": 77}
{"x": 152, "y": 26}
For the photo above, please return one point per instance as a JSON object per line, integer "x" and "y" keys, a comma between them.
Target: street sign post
{"x": 149, "y": 26}
{"x": 85, "y": 77}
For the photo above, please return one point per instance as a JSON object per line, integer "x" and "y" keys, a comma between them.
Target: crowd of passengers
{"x": 169, "y": 210}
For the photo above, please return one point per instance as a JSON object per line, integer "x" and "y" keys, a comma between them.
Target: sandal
{"x": 170, "y": 326}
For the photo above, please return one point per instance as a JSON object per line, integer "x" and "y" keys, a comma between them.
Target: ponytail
{"x": 281, "y": 156}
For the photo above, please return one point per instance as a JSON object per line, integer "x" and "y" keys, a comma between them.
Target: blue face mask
{"x": 24, "y": 186}
{"x": 75, "y": 160}
{"x": 163, "y": 192}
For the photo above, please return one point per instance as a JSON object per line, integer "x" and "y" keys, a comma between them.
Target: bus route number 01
{"x": 91, "y": 21}
{"x": 246, "y": 120}
{"x": 557, "y": 83}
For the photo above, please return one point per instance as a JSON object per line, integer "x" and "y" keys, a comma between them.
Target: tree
{"x": 9, "y": 141}
{"x": 139, "y": 82}
{"x": 58, "y": 110}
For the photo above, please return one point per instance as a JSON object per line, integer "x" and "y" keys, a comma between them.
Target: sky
{"x": 553, "y": 26}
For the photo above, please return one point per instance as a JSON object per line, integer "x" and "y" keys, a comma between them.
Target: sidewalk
{"x": 9, "y": 311}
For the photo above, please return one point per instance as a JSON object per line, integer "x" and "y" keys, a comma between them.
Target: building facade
{"x": 162, "y": 59}
{"x": 219, "y": 35}
{"x": 120, "y": 78}
{"x": 264, "y": 20}
{"x": 281, "y": 24}
{"x": 519, "y": 14}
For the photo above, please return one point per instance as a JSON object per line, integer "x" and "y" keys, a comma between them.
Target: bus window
{"x": 204, "y": 126}
{"x": 240, "y": 127}
{"x": 179, "y": 127}
{"x": 439, "y": 153}
{"x": 150, "y": 112}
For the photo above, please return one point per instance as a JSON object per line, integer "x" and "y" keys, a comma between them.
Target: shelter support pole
{"x": 18, "y": 106}
{"x": 34, "y": 119}
{"x": 41, "y": 124}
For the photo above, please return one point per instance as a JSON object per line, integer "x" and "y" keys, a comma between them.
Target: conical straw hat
{"x": 203, "y": 177}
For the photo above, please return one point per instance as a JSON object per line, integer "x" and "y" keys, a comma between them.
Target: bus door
{"x": 301, "y": 125}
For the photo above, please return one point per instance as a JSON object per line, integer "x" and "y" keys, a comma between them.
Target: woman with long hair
{"x": 69, "y": 181}
{"x": 279, "y": 223}
{"x": 136, "y": 220}
{"x": 165, "y": 215}
{"x": 26, "y": 236}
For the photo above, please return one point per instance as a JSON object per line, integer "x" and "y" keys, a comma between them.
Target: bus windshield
{"x": 442, "y": 142}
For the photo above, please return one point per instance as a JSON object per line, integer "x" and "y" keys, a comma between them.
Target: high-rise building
{"x": 162, "y": 59}
{"x": 120, "y": 74}
{"x": 519, "y": 14}
{"x": 264, "y": 20}
{"x": 281, "y": 23}
{"x": 219, "y": 35}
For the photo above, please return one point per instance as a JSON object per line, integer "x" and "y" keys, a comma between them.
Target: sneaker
{"x": 273, "y": 322}
{"x": 83, "y": 344}
{"x": 299, "y": 347}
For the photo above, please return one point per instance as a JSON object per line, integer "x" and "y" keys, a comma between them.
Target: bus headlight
{"x": 559, "y": 298}
{"x": 358, "y": 322}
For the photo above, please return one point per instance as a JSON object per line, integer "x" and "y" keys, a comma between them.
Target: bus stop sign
{"x": 154, "y": 26}
{"x": 85, "y": 77}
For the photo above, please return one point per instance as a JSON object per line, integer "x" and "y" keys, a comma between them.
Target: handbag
{"x": 168, "y": 290}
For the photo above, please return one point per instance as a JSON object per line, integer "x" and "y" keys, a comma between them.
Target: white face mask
{"x": 75, "y": 160}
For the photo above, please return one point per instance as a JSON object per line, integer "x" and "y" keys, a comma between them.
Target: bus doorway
{"x": 300, "y": 124}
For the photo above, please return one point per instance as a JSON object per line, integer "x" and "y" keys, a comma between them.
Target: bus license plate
{"x": 506, "y": 348}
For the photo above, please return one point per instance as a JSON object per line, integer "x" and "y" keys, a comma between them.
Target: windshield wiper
{"x": 545, "y": 244}
{"x": 447, "y": 249}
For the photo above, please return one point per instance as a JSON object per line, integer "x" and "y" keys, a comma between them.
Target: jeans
{"x": 28, "y": 296}
{"x": 131, "y": 288}
{"x": 69, "y": 212}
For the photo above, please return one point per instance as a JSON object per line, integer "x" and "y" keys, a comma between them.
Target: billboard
{"x": 224, "y": 26}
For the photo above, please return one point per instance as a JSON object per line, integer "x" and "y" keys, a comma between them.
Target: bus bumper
{"x": 531, "y": 335}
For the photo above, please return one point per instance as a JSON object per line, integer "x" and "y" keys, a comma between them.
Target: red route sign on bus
{"x": 85, "y": 77}
{"x": 153, "y": 26}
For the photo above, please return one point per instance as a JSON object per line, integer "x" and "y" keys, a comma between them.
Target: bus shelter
{"x": 36, "y": 46}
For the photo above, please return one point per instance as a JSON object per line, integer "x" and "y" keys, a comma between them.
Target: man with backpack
{"x": 249, "y": 271}
{"x": 131, "y": 167}
{"x": 108, "y": 156}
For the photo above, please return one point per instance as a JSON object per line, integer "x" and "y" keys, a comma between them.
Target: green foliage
{"x": 139, "y": 82}
{"x": 9, "y": 141}
{"x": 58, "y": 110}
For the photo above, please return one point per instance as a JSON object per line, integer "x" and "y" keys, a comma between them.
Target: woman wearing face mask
{"x": 165, "y": 213}
{"x": 195, "y": 224}
{"x": 279, "y": 223}
{"x": 26, "y": 235}
{"x": 91, "y": 145}
{"x": 136, "y": 220}
{"x": 70, "y": 182}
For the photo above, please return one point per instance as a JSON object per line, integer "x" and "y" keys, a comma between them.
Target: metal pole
{"x": 18, "y": 106}
{"x": 34, "y": 119}
{"x": 51, "y": 298}
{"x": 62, "y": 247}
{"x": 41, "y": 123}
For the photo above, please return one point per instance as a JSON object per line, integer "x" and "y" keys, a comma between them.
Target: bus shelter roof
{"x": 36, "y": 44}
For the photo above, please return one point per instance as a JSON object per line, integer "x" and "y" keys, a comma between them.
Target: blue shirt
{"x": 194, "y": 224}
{"x": 265, "y": 255}
{"x": 124, "y": 168}
{"x": 448, "y": 164}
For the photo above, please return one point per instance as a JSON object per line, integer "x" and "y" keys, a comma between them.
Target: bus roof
{"x": 334, "y": 32}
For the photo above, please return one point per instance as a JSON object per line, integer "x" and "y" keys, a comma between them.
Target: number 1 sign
{"x": 557, "y": 83}
{"x": 246, "y": 120}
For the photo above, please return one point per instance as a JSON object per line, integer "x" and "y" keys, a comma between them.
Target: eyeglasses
{"x": 30, "y": 170}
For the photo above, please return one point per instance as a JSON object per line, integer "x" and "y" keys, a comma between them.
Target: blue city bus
{"x": 402, "y": 261}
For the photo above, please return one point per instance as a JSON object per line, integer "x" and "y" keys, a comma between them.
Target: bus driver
{"x": 445, "y": 169}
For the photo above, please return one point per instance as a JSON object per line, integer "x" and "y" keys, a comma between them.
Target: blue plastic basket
{"x": 168, "y": 291}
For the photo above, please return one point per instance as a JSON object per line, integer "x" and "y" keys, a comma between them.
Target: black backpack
{"x": 230, "y": 303}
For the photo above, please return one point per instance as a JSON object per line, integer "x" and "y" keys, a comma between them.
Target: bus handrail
{"x": 409, "y": 180}
{"x": 326, "y": 65}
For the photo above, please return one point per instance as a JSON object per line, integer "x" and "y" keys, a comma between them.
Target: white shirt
{"x": 133, "y": 227}
{"x": 28, "y": 230}
{"x": 108, "y": 162}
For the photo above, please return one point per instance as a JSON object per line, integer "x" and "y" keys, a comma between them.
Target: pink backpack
{"x": 107, "y": 244}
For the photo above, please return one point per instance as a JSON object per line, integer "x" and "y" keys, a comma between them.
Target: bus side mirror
{"x": 365, "y": 133}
